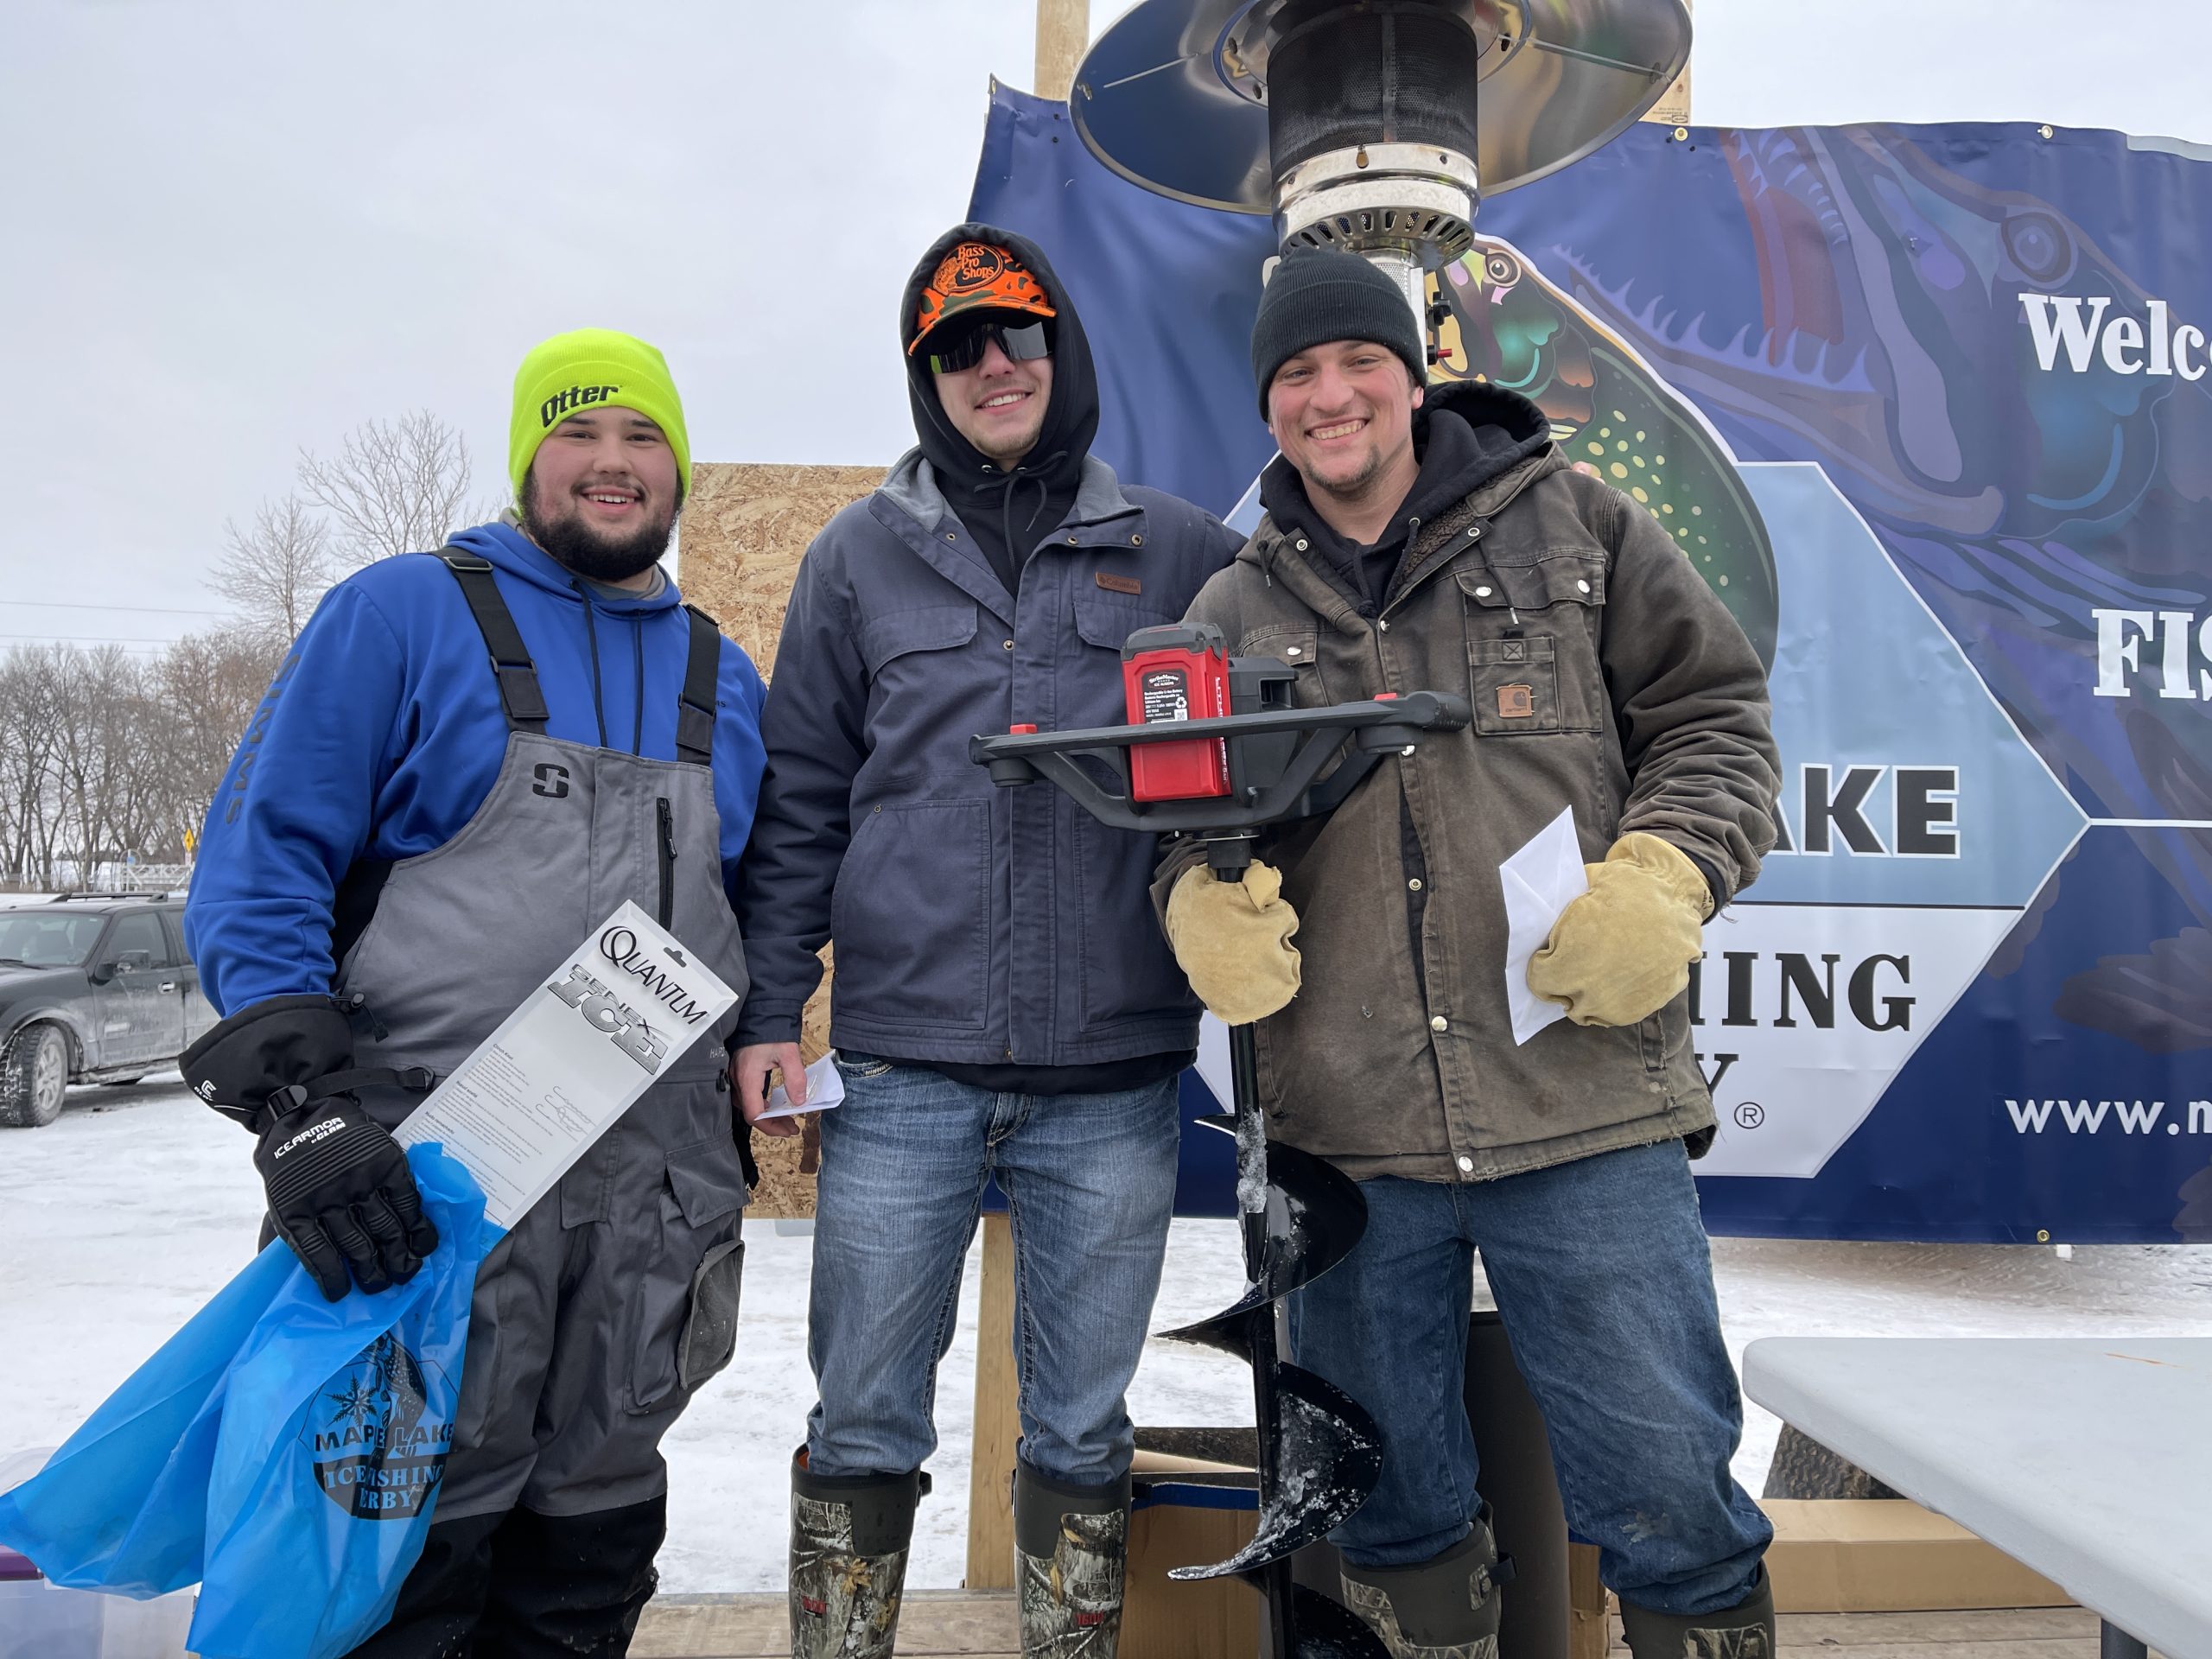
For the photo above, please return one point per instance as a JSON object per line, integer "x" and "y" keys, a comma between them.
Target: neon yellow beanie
{"x": 584, "y": 369}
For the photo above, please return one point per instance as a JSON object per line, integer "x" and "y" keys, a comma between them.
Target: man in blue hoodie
{"x": 1004, "y": 1004}
{"x": 468, "y": 760}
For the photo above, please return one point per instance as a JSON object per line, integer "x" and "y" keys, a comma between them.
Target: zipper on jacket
{"x": 665, "y": 815}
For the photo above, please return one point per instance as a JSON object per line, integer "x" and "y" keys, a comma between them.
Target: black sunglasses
{"x": 1024, "y": 343}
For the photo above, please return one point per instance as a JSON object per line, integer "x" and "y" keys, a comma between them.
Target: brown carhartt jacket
{"x": 1605, "y": 676}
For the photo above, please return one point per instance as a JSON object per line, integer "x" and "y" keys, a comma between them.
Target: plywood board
{"x": 745, "y": 529}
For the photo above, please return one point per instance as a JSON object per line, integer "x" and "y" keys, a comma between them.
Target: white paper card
{"x": 1540, "y": 880}
{"x": 825, "y": 1087}
{"x": 539, "y": 1091}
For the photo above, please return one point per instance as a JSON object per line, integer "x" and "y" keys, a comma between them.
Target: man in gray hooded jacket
{"x": 1004, "y": 1005}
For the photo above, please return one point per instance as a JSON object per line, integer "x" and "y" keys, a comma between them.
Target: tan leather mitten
{"x": 1233, "y": 940}
{"x": 1622, "y": 951}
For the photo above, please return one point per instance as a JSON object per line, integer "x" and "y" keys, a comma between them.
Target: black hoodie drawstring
{"x": 591, "y": 645}
{"x": 1023, "y": 473}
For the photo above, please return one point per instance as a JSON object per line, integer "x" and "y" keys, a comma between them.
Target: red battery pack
{"x": 1173, "y": 673}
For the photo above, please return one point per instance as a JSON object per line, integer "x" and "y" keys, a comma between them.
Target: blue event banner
{"x": 1929, "y": 408}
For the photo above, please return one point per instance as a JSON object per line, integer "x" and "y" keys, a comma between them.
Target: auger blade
{"x": 1325, "y": 1455}
{"x": 1325, "y": 1629}
{"x": 1321, "y": 1627}
{"x": 1314, "y": 1215}
{"x": 1228, "y": 1331}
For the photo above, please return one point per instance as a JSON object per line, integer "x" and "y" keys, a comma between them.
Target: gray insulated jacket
{"x": 1605, "y": 676}
{"x": 971, "y": 923}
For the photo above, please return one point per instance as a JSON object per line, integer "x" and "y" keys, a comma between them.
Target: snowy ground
{"x": 117, "y": 1222}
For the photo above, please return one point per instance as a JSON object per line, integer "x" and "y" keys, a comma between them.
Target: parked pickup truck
{"x": 93, "y": 989}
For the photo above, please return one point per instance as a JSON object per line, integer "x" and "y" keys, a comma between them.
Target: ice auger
{"x": 1215, "y": 752}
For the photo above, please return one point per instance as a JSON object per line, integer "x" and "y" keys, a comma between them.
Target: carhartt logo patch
{"x": 1119, "y": 584}
{"x": 1516, "y": 702}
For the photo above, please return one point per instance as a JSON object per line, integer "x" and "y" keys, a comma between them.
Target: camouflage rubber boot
{"x": 1446, "y": 1607}
{"x": 1744, "y": 1631}
{"x": 849, "y": 1536}
{"x": 1070, "y": 1544}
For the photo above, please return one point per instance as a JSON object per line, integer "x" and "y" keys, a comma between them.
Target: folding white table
{"x": 2088, "y": 1460}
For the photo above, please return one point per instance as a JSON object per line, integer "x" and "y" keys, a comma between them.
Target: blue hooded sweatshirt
{"x": 382, "y": 735}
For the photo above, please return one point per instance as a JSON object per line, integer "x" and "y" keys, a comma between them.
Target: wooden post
{"x": 998, "y": 1423}
{"x": 1673, "y": 109}
{"x": 1063, "y": 32}
{"x": 1588, "y": 1633}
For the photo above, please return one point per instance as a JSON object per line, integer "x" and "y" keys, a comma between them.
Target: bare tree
{"x": 275, "y": 571}
{"x": 209, "y": 686}
{"x": 105, "y": 759}
{"x": 28, "y": 739}
{"x": 394, "y": 486}
{"x": 94, "y": 691}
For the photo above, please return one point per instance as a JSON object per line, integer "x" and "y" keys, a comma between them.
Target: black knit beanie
{"x": 1318, "y": 295}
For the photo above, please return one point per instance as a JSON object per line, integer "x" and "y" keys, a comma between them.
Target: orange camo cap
{"x": 976, "y": 276}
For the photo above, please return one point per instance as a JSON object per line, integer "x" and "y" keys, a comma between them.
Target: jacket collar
{"x": 911, "y": 504}
{"x": 911, "y": 486}
{"x": 1280, "y": 560}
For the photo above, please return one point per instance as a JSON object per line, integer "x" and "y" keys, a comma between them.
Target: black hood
{"x": 1071, "y": 416}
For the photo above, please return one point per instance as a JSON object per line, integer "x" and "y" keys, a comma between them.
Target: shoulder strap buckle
{"x": 519, "y": 695}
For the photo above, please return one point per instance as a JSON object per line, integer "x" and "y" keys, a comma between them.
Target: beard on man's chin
{"x": 575, "y": 546}
{"x": 1349, "y": 488}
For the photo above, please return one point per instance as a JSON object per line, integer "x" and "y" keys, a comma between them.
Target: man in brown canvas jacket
{"x": 1422, "y": 538}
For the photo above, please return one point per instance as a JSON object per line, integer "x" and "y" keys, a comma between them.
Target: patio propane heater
{"x": 1373, "y": 125}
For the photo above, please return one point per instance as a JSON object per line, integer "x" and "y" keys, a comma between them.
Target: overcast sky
{"x": 240, "y": 228}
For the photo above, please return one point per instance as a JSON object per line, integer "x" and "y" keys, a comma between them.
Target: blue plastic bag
{"x": 280, "y": 1451}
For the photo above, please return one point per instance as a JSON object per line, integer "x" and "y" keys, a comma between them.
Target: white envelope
{"x": 1540, "y": 880}
{"x": 825, "y": 1087}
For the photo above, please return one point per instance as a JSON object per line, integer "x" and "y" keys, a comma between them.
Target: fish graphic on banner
{"x": 1928, "y": 407}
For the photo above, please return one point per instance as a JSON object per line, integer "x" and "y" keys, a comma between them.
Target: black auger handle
{"x": 1379, "y": 725}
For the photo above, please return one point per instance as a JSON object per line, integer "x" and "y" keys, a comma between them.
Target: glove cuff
{"x": 281, "y": 1043}
{"x": 1675, "y": 869}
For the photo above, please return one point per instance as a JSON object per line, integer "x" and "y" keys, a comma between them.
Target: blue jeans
{"x": 1089, "y": 1181}
{"x": 1605, "y": 1282}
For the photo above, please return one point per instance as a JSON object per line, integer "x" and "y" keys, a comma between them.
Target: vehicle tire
{"x": 33, "y": 1076}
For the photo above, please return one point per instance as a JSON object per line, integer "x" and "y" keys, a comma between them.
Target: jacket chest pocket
{"x": 884, "y": 640}
{"x": 1532, "y": 644}
{"x": 1092, "y": 693}
{"x": 924, "y": 680}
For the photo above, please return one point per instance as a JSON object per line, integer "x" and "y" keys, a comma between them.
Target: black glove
{"x": 341, "y": 1194}
{"x": 339, "y": 1190}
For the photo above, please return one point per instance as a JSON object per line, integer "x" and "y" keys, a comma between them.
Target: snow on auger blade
{"x": 1321, "y": 1455}
{"x": 1313, "y": 1216}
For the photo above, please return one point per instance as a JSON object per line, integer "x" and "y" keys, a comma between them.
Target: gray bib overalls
{"x": 616, "y": 1296}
